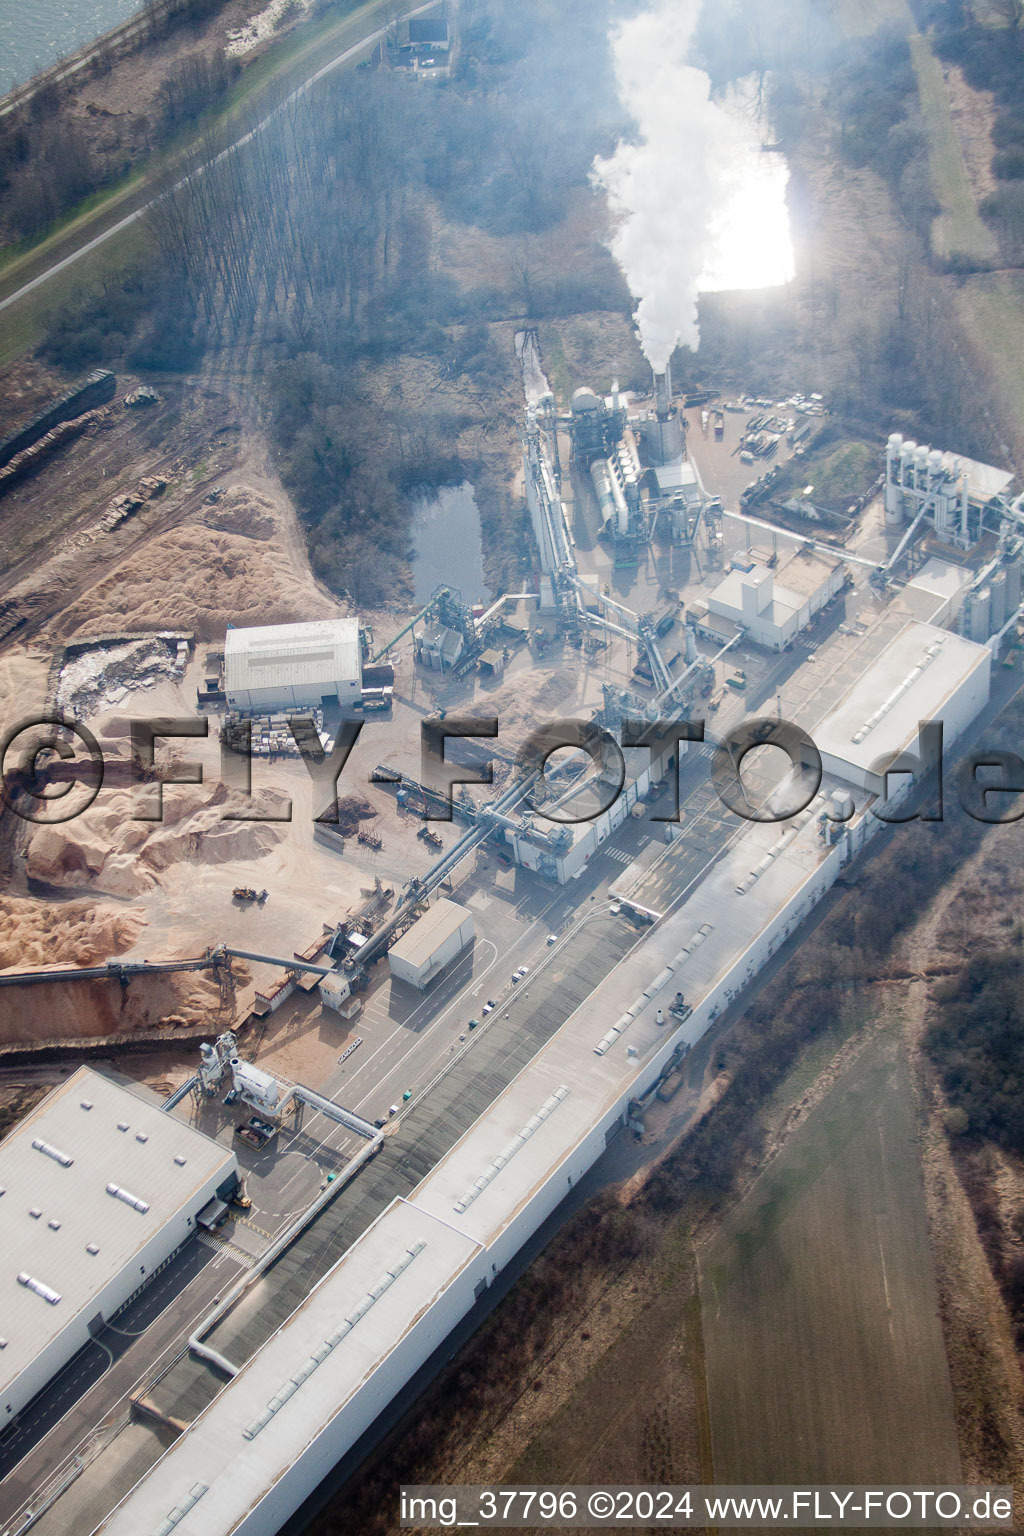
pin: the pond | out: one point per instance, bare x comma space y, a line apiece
449, 548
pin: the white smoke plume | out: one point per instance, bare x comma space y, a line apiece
693, 190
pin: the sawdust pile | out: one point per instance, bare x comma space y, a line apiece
199, 579
352, 809
105, 850
243, 511
90, 1010
38, 933
530, 700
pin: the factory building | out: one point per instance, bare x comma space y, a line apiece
924, 674
432, 943
302, 1400
774, 604
440, 648
98, 1187
935, 593
949, 492
288, 666
561, 851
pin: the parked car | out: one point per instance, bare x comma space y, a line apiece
524, 970
488, 1007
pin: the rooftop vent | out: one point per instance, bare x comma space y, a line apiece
3, 1343
45, 1291
142, 1206
493, 1169
87, 1103
178, 1513
141, 1136
320, 1354
54, 1226
122, 1125
92, 1248
35, 1212
49, 1150
180, 1160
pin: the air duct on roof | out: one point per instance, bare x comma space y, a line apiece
64, 1158
142, 1206
322, 1351
45, 1291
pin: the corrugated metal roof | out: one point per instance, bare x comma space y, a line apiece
105, 1170
428, 933
291, 655
910, 681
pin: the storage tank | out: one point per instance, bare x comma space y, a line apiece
254, 1085
601, 477
979, 609
997, 616
584, 400
691, 645
1013, 585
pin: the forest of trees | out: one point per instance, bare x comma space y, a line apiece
313, 245
977, 1043
992, 59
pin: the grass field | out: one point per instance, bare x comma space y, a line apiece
824, 1353
959, 234
639, 1414
991, 308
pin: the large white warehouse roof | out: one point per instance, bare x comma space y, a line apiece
917, 677
86, 1182
278, 656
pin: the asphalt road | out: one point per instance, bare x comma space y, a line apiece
141, 201
97, 1383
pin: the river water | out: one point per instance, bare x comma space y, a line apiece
36, 33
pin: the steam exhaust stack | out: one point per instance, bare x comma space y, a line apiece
663, 393
665, 433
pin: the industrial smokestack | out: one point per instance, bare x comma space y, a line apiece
663, 392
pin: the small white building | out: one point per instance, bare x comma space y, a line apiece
288, 666
441, 648
98, 1186
924, 674
774, 604
431, 943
